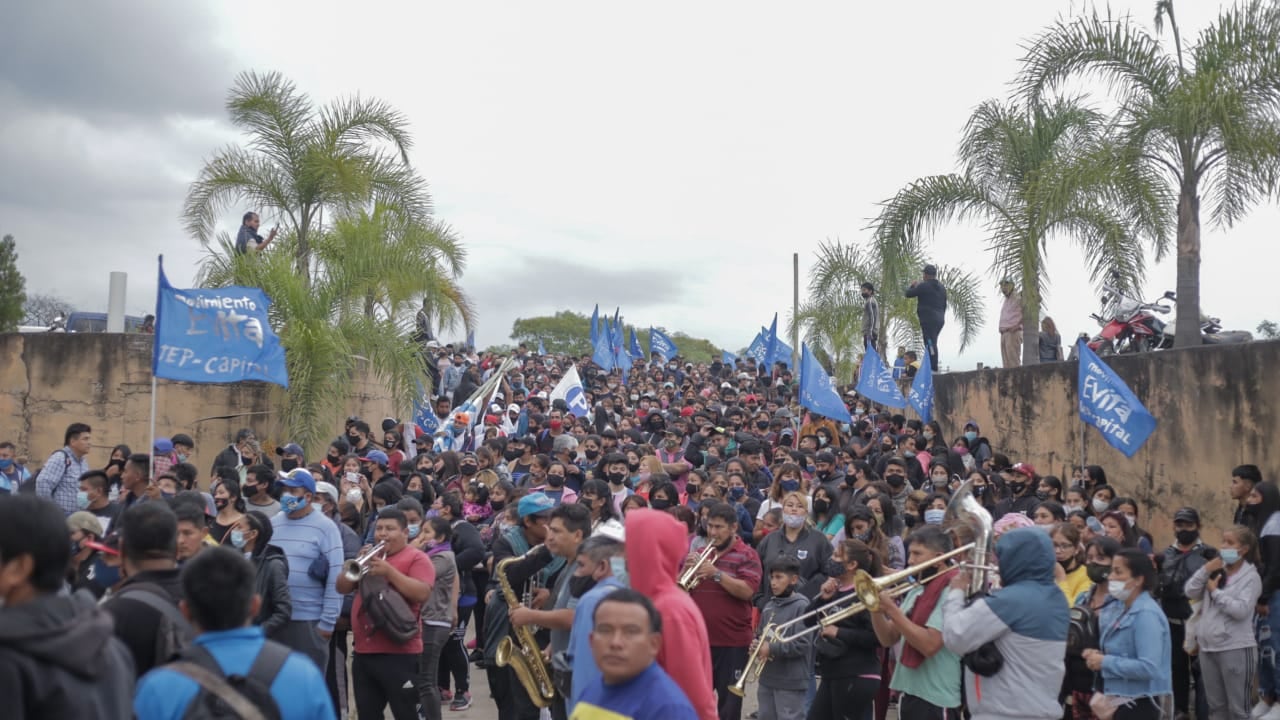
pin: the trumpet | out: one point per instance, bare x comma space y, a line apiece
355, 568
751, 671
689, 578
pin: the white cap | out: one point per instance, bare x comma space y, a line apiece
324, 488
612, 529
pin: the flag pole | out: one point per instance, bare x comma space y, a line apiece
151, 453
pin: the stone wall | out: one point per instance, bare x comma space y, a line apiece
50, 380
1216, 407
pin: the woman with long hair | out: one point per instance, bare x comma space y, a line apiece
230, 506
847, 652
1135, 654
252, 535
1116, 526
1070, 554
1050, 341
1079, 679
1262, 517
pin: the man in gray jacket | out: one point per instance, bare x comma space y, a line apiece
1026, 620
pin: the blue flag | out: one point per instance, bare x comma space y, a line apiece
595, 325
771, 342
424, 415
636, 352
728, 358
622, 360
215, 336
661, 344
921, 396
1107, 404
471, 338
759, 347
542, 349
781, 354
875, 381
602, 353
816, 392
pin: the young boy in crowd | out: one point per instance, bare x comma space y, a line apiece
786, 664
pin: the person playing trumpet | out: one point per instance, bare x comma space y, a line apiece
846, 651
726, 582
927, 674
784, 675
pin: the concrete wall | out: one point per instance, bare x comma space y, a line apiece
50, 380
1216, 407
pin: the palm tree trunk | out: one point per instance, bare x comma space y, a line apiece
302, 254
1030, 328
1188, 314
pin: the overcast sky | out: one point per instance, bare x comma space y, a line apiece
668, 157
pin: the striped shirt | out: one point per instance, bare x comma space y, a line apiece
59, 479
303, 541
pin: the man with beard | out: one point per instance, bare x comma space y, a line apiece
725, 586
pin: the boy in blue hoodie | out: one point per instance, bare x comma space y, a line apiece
785, 674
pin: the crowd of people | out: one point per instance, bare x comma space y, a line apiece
683, 543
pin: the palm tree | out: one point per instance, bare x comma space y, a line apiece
1203, 119
301, 161
1030, 176
325, 331
831, 318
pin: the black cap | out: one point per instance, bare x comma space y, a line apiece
1187, 514
826, 456
930, 270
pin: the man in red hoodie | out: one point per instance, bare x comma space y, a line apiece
653, 566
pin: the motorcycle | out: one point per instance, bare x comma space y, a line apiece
1211, 333
1130, 325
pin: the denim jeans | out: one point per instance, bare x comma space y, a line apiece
433, 640
1269, 649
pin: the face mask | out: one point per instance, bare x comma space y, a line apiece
822, 441
104, 574
1100, 506
1117, 590
250, 490
415, 494
1187, 537
895, 481
287, 465
616, 478
659, 503
75, 547
1230, 556
971, 436
978, 490
468, 468
939, 480
821, 506
6, 463
671, 443
632, 467
579, 585
793, 521
1042, 495
934, 516
860, 411
762, 424
82, 500
928, 435
555, 481
789, 485
237, 539
220, 503
167, 495
334, 459
497, 505
353, 439
414, 529
864, 537
1073, 506
592, 454
1133, 521
737, 493
618, 566
354, 496
510, 455
291, 503
1017, 488
183, 457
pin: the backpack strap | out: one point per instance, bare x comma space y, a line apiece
271, 659
216, 685
154, 597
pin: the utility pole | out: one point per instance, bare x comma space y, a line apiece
795, 313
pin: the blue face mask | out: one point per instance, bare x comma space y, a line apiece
971, 436
414, 529
82, 500
291, 503
737, 492
789, 485
934, 516
237, 539
1230, 556
6, 463
618, 566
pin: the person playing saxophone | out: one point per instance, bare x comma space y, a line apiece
530, 560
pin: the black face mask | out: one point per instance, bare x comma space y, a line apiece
555, 481
762, 424
510, 455
895, 481
1098, 574
354, 440
334, 459
1186, 537
592, 454
497, 505
616, 478
821, 506
468, 469
1017, 488
1042, 495
633, 466
287, 465
580, 585
660, 503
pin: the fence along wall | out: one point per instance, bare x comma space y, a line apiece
50, 380
1216, 408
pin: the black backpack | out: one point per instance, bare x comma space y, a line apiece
232, 697
173, 633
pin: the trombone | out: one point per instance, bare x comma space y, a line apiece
831, 613
689, 578
355, 568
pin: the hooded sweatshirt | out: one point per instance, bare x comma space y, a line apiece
1027, 619
653, 565
59, 659
790, 663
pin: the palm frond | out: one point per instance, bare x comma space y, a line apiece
273, 112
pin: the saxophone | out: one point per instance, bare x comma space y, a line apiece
523, 654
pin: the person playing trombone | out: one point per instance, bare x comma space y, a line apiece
724, 585
1026, 622
846, 651
927, 674
785, 672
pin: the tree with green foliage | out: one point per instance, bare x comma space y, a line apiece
12, 286
1202, 118
1033, 176
1269, 330
831, 317
302, 161
568, 332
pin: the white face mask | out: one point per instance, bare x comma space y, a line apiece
1133, 521
1100, 506
1117, 590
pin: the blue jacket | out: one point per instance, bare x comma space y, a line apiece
1135, 643
299, 688
585, 671
1026, 619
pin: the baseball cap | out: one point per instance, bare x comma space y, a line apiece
1024, 469
513, 408
164, 445
298, 477
379, 457
612, 529
290, 449
535, 503
324, 488
1186, 514
85, 522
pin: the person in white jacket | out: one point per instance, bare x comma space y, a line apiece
1228, 588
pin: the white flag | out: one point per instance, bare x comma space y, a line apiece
569, 389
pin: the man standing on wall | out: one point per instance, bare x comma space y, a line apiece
931, 309
870, 316
1010, 325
